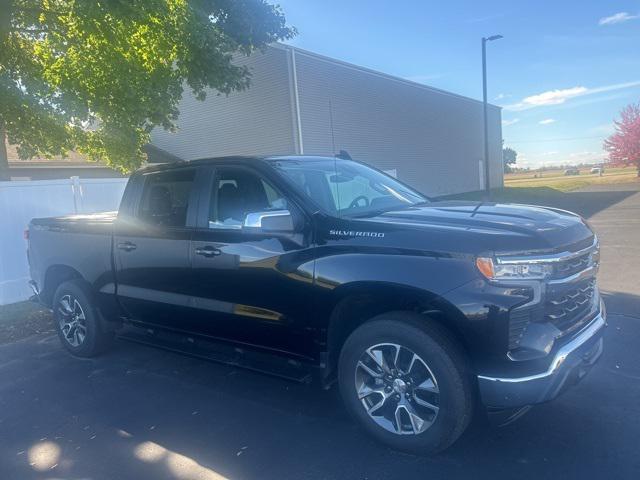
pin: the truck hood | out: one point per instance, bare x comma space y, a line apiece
484, 227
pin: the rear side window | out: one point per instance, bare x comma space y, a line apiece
165, 198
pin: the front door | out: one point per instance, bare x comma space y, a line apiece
152, 247
249, 285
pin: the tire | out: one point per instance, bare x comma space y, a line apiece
439, 377
72, 302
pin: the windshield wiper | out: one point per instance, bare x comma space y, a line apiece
378, 211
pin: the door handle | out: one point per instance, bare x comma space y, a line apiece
208, 251
127, 246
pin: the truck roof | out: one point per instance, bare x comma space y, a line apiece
234, 159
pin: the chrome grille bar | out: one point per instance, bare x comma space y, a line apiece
549, 258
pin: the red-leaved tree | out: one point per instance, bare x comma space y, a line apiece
624, 145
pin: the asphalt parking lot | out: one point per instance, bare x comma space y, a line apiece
139, 413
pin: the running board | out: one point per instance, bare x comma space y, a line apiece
205, 349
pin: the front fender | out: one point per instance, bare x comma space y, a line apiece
436, 274
417, 282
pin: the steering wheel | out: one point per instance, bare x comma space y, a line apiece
354, 203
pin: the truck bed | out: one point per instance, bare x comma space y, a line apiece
84, 220
72, 245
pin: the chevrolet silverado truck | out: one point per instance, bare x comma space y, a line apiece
419, 310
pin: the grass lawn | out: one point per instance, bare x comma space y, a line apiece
21, 320
556, 179
551, 187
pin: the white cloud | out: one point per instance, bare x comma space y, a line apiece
581, 102
586, 157
617, 18
502, 96
547, 121
559, 96
555, 158
506, 123
550, 97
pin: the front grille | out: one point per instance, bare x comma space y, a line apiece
573, 266
566, 306
566, 299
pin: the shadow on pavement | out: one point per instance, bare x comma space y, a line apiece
619, 303
585, 203
144, 413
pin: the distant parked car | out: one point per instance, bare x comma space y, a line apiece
572, 171
598, 170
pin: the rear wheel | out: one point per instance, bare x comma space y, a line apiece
77, 321
407, 382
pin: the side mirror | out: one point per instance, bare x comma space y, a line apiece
270, 221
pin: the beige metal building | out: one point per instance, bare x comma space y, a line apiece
303, 103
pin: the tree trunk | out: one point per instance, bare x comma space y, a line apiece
4, 160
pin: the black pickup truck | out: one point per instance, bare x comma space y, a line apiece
420, 310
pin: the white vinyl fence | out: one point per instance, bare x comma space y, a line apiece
20, 201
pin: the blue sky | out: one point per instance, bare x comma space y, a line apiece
562, 73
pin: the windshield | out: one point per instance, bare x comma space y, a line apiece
347, 188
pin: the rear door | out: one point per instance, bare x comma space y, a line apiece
252, 286
152, 245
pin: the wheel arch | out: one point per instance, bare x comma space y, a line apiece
54, 277
360, 302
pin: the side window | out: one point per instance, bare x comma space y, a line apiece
165, 198
237, 192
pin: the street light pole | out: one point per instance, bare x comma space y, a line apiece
487, 185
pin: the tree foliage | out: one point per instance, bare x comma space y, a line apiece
509, 157
624, 145
98, 76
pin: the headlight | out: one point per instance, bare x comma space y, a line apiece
512, 271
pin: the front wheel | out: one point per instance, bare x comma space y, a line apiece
77, 321
406, 381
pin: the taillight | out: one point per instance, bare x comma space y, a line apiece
26, 234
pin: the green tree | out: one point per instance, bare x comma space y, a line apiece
509, 156
97, 77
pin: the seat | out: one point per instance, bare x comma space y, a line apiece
230, 205
254, 198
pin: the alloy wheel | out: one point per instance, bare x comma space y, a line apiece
397, 389
72, 320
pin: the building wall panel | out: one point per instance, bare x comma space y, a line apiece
257, 121
432, 138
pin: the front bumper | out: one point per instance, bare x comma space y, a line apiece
570, 363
